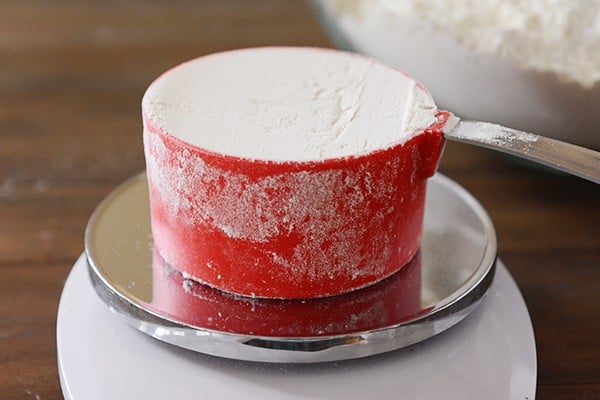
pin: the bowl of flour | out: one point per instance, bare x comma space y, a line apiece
532, 65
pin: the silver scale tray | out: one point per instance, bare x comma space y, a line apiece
445, 282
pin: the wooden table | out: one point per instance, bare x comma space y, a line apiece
72, 74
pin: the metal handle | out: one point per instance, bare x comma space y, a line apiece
566, 157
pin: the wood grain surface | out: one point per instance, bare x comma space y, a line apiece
72, 74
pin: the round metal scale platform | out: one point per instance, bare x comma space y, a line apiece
441, 286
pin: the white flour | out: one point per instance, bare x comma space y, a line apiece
483, 132
557, 36
289, 104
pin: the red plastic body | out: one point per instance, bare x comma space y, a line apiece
288, 229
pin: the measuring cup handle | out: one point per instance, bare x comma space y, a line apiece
575, 160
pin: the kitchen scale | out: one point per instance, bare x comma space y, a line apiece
384, 338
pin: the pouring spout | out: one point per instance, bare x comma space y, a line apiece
432, 142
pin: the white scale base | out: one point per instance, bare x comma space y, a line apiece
489, 355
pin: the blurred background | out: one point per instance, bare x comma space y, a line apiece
72, 74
